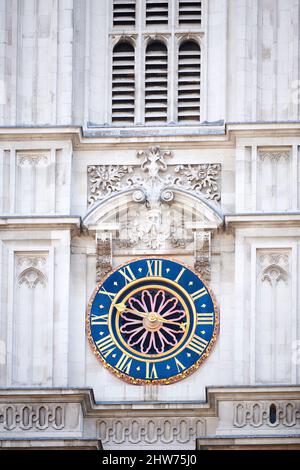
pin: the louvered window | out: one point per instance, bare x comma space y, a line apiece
123, 13
156, 12
123, 83
189, 11
189, 82
156, 82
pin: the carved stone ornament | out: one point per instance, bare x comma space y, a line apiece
203, 254
23, 417
32, 159
266, 414
154, 179
31, 270
274, 266
150, 431
155, 222
274, 156
104, 255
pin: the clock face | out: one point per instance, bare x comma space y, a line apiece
152, 320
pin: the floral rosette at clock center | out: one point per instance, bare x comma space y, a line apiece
154, 322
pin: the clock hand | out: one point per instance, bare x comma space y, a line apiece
163, 320
122, 308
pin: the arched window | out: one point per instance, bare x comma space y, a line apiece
123, 13
189, 82
123, 83
156, 82
156, 12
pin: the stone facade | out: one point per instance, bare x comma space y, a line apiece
81, 194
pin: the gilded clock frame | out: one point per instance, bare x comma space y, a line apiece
176, 378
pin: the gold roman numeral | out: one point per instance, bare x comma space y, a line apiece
99, 319
180, 274
205, 318
154, 267
198, 344
103, 291
127, 274
179, 365
199, 293
151, 371
124, 364
105, 345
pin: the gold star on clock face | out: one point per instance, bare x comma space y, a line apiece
168, 367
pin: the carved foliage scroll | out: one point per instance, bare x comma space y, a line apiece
104, 180
158, 222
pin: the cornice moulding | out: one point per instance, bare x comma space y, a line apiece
91, 409
53, 222
263, 219
205, 136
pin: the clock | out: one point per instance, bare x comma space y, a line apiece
152, 320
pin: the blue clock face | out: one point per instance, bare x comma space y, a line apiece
152, 320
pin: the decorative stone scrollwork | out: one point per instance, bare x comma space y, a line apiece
105, 180
154, 177
165, 213
266, 414
154, 160
203, 254
202, 178
23, 417
139, 196
104, 255
150, 430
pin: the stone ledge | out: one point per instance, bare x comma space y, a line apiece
219, 134
53, 222
72, 414
50, 444
249, 443
263, 219
91, 408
